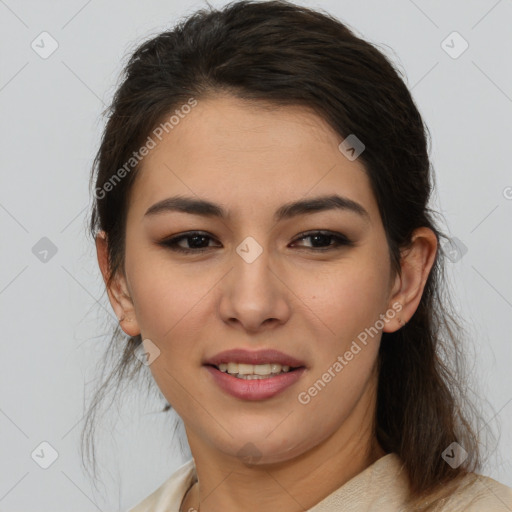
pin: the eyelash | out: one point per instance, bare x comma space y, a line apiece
172, 243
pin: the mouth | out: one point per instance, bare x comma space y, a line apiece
251, 386
254, 371
254, 375
258, 358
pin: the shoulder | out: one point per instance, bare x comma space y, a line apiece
169, 495
472, 493
479, 493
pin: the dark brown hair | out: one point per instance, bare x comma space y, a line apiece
279, 53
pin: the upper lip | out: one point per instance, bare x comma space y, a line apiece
240, 355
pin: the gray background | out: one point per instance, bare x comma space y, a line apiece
55, 317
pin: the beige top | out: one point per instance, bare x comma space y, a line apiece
381, 487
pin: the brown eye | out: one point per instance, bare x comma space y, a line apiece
324, 238
197, 241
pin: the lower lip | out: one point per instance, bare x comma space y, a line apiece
255, 389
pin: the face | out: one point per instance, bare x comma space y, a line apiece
255, 281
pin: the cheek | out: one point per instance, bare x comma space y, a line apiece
166, 296
348, 297
167, 304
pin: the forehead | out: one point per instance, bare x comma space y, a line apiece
249, 156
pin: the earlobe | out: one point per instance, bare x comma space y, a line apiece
117, 290
416, 264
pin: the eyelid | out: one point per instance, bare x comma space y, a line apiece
327, 232
172, 241
340, 238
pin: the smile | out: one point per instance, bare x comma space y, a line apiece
249, 385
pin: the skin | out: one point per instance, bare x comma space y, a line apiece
308, 304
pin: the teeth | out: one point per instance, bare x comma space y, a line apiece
253, 371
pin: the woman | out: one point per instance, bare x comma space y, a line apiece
262, 228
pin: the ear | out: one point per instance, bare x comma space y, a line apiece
118, 292
416, 263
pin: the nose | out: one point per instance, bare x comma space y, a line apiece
254, 295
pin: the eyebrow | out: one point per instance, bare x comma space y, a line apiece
303, 206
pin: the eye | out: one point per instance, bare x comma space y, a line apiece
197, 246
324, 238
198, 241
